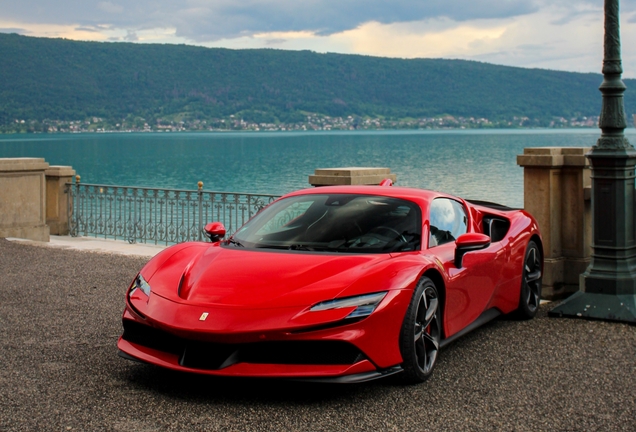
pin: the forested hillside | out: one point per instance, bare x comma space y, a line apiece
68, 80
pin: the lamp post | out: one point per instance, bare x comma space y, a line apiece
608, 286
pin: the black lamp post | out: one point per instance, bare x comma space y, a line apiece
608, 286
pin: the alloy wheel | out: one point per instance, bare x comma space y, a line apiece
532, 279
427, 330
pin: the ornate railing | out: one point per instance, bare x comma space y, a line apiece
159, 216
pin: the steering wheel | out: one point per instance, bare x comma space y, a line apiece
399, 236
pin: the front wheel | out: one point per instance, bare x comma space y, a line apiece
421, 333
531, 278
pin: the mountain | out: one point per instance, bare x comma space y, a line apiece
69, 80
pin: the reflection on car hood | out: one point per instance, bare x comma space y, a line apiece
226, 276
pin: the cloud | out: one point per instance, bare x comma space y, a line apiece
14, 30
209, 20
131, 36
275, 41
202, 21
110, 7
430, 38
88, 29
205, 21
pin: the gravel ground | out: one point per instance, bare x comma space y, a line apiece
60, 318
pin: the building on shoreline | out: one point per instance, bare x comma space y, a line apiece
312, 122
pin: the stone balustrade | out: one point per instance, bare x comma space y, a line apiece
58, 207
557, 184
23, 198
350, 176
33, 202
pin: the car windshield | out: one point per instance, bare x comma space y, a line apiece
335, 223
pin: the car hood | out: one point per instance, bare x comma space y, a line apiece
248, 278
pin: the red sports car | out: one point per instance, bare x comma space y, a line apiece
341, 284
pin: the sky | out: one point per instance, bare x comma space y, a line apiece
548, 34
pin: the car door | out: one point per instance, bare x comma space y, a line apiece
470, 288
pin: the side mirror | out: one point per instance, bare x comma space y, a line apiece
215, 231
467, 243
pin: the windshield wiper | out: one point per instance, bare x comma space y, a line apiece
235, 242
295, 247
300, 247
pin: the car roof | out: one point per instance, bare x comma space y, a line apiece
411, 194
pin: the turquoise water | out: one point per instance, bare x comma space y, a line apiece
471, 164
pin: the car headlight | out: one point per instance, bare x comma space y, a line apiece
365, 304
140, 284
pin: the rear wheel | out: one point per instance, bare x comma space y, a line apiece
421, 333
531, 278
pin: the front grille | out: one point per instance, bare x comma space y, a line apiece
211, 355
152, 338
301, 352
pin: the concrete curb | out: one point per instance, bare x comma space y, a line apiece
97, 245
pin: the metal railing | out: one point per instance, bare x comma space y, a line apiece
159, 216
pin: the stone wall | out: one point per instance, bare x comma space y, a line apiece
57, 200
22, 198
350, 176
33, 202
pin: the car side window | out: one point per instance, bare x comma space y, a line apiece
448, 221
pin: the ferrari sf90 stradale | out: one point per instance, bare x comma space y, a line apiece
338, 283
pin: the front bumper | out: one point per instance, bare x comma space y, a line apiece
335, 351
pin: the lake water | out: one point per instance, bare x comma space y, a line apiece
473, 164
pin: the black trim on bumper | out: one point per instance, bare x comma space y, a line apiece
122, 354
202, 355
356, 378
346, 379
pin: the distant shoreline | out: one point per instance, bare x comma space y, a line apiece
485, 131
311, 122
296, 129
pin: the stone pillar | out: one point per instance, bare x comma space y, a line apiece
350, 176
556, 183
23, 198
57, 199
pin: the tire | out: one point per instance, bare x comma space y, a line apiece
421, 333
531, 277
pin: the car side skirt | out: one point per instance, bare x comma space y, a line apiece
482, 319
